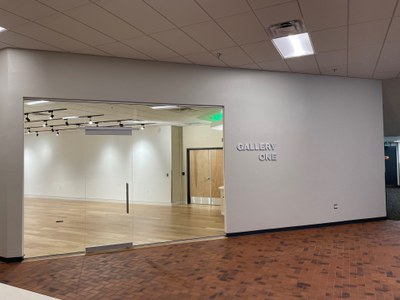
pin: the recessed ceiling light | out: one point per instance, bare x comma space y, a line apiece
2, 29
291, 39
165, 107
294, 45
36, 102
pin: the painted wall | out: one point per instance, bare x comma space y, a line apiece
328, 132
75, 166
391, 106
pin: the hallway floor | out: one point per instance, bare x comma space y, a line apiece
354, 261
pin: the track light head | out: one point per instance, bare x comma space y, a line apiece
66, 123
27, 118
120, 124
37, 133
57, 133
142, 127
52, 129
90, 120
45, 124
51, 117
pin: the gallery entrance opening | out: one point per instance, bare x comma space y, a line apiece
102, 176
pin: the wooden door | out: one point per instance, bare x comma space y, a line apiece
206, 175
199, 173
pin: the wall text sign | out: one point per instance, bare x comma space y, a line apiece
268, 150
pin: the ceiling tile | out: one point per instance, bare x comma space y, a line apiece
137, 13
9, 20
397, 12
243, 28
361, 70
56, 39
278, 14
364, 54
274, 65
120, 50
324, 14
20, 41
389, 55
188, 12
249, 66
178, 41
151, 48
101, 20
29, 9
256, 4
334, 70
2, 45
234, 56
332, 58
369, 10
178, 59
369, 33
74, 29
329, 39
306, 64
223, 8
206, 59
62, 5
91, 51
394, 30
261, 51
209, 35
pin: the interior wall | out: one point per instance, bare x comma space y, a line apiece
328, 132
201, 136
391, 106
97, 167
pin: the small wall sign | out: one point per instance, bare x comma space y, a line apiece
268, 150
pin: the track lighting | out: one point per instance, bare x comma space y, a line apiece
45, 124
57, 133
37, 133
142, 127
97, 124
90, 121
51, 117
52, 129
66, 123
120, 124
27, 118
29, 131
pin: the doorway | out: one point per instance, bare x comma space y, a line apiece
206, 176
101, 176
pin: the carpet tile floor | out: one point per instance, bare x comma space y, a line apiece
353, 261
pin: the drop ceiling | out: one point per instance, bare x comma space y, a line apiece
75, 115
354, 38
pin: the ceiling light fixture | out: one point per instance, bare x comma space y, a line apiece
291, 39
2, 29
165, 107
36, 102
66, 123
51, 117
37, 133
70, 117
57, 133
120, 124
90, 121
142, 127
45, 124
27, 118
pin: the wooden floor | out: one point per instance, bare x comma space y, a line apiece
353, 261
54, 226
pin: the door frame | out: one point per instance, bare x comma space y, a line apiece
188, 167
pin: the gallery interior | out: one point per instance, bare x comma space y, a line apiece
114, 175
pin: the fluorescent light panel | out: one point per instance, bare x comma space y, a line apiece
36, 102
71, 117
296, 45
165, 107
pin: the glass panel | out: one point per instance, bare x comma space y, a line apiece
54, 191
108, 177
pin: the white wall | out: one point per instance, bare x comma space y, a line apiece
75, 166
328, 131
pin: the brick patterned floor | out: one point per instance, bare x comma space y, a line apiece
356, 261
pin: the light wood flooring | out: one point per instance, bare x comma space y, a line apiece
54, 226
